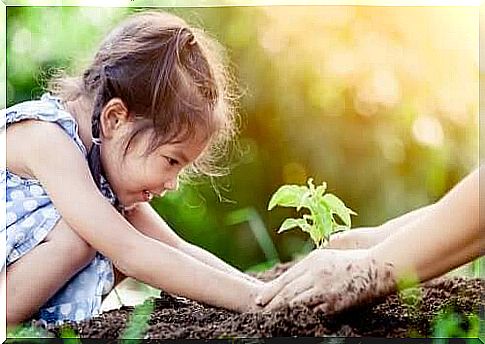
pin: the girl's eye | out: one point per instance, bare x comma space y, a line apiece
171, 162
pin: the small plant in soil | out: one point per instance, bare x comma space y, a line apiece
138, 322
320, 222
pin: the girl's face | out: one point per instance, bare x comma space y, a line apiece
137, 177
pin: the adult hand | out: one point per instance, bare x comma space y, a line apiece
358, 238
329, 281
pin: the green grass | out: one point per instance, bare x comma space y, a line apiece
19, 333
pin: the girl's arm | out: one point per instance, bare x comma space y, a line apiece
65, 175
144, 218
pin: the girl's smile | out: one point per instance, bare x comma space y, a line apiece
147, 196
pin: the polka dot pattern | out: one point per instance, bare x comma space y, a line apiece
50, 213
36, 190
28, 222
2, 192
30, 204
11, 217
12, 183
31, 215
40, 234
20, 236
17, 194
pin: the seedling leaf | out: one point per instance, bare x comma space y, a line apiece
311, 185
292, 223
338, 207
323, 219
340, 228
321, 189
320, 223
287, 196
315, 235
304, 200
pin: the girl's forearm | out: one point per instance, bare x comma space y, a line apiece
175, 272
213, 261
147, 221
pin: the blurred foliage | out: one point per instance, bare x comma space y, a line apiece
449, 324
380, 102
138, 322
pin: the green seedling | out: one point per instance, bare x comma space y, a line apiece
321, 222
138, 322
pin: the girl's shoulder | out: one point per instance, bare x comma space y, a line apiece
47, 109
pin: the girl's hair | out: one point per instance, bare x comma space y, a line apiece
170, 76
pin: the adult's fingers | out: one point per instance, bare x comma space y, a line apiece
322, 307
298, 286
274, 287
333, 302
338, 241
303, 298
269, 291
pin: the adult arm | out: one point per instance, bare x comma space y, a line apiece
366, 237
444, 238
331, 280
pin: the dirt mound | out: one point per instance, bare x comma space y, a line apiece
410, 313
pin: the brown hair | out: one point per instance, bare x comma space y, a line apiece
169, 75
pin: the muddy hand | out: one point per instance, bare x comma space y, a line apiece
278, 292
329, 281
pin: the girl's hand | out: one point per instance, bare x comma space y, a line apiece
329, 281
252, 305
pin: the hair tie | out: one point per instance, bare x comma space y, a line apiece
105, 70
192, 40
96, 141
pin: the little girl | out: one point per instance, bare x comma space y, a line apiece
84, 161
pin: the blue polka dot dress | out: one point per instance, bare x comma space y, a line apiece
30, 216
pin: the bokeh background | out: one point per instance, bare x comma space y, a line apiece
379, 102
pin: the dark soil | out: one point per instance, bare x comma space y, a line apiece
409, 314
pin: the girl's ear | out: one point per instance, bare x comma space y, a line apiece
113, 116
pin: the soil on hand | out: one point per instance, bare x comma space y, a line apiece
399, 315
